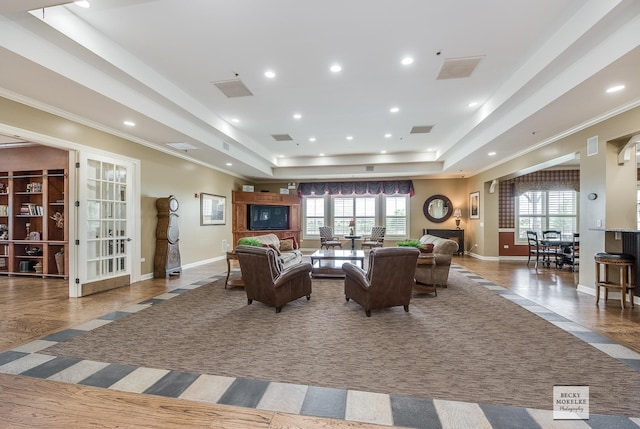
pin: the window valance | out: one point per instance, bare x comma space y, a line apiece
387, 187
549, 180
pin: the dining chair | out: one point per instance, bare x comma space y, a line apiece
571, 254
539, 250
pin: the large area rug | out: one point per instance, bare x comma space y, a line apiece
466, 344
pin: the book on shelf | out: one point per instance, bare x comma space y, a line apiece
34, 187
30, 209
4, 210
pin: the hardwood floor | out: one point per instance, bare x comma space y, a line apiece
31, 308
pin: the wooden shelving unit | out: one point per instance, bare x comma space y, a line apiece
241, 200
33, 235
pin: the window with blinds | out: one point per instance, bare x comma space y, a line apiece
395, 213
546, 210
313, 215
366, 211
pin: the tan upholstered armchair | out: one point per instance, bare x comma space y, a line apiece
327, 239
376, 239
388, 282
266, 281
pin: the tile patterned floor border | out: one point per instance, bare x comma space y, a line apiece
31, 360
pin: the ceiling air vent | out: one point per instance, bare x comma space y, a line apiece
456, 68
282, 137
421, 129
182, 146
368, 168
233, 88
225, 146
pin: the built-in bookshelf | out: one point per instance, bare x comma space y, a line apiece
33, 207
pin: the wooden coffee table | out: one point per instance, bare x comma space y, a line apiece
328, 263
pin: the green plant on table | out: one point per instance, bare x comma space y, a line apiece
411, 243
248, 241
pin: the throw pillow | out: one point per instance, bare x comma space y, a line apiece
295, 242
428, 248
286, 244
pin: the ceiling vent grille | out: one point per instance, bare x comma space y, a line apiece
182, 146
456, 68
233, 88
368, 168
225, 146
421, 129
282, 137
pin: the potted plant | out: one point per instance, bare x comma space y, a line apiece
248, 241
423, 248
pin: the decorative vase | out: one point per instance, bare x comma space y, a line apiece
60, 262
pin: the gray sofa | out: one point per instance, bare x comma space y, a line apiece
443, 250
287, 257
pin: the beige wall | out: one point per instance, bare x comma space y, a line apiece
484, 231
161, 175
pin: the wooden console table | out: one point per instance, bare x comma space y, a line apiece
456, 235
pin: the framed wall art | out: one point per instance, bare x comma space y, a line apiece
213, 209
474, 205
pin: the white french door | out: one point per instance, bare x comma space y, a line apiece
105, 213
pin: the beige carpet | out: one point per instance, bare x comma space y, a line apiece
466, 344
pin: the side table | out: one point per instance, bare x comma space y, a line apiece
231, 256
353, 239
426, 261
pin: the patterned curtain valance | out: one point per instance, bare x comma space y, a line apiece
387, 187
547, 181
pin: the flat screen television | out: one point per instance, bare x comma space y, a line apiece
267, 217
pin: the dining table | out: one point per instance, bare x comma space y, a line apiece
560, 246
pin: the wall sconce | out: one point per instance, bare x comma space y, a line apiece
457, 213
352, 224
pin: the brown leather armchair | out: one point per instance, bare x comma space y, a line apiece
266, 281
388, 282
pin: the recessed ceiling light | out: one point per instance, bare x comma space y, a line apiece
129, 123
84, 3
235, 120
472, 104
228, 164
322, 154
270, 74
394, 110
297, 116
387, 135
336, 68
491, 153
349, 137
383, 151
406, 61
615, 89
312, 139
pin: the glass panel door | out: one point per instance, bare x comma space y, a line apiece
104, 219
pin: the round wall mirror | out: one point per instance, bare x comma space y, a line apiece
437, 208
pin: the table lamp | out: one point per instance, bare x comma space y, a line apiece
457, 213
352, 224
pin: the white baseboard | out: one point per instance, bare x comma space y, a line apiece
482, 257
149, 276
